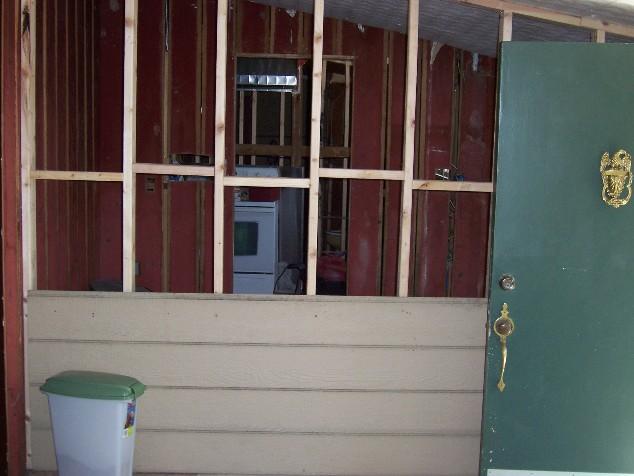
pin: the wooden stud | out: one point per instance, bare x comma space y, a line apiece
166, 201
241, 125
67, 146
588, 22
327, 186
598, 36
28, 145
129, 143
274, 182
84, 121
408, 148
505, 34
254, 121
505, 31
282, 137
384, 244
28, 61
451, 186
346, 143
201, 100
76, 176
219, 144
362, 174
44, 12
346, 113
296, 137
315, 118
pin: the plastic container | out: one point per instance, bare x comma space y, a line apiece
93, 415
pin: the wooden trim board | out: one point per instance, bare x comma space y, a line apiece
129, 143
409, 131
590, 23
315, 126
219, 144
77, 175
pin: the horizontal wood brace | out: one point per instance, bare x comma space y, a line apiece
165, 169
451, 186
282, 182
362, 174
76, 175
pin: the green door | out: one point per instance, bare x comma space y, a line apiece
568, 405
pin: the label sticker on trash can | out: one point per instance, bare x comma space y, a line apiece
128, 429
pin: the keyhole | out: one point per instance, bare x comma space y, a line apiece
504, 327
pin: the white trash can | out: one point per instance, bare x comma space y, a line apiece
93, 415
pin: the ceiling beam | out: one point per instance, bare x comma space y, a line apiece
553, 16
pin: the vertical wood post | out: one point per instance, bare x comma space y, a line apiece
409, 126
27, 144
505, 31
598, 36
315, 138
28, 57
129, 143
254, 121
219, 145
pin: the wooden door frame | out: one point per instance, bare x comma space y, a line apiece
15, 461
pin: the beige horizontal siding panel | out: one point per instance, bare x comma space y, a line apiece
345, 368
205, 453
368, 321
293, 411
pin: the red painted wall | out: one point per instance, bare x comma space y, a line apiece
477, 113
65, 139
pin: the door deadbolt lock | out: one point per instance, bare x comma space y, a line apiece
507, 282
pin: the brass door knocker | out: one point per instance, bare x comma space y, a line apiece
616, 173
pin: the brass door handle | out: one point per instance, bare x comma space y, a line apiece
503, 327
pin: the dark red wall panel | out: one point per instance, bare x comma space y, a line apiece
430, 276
151, 47
211, 8
364, 232
477, 115
109, 105
285, 34
65, 252
394, 161
183, 44
254, 27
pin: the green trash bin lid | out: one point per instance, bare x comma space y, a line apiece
94, 385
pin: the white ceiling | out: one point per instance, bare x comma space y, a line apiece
468, 27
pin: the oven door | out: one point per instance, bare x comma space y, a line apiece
255, 239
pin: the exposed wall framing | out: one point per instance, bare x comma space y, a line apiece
406, 177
